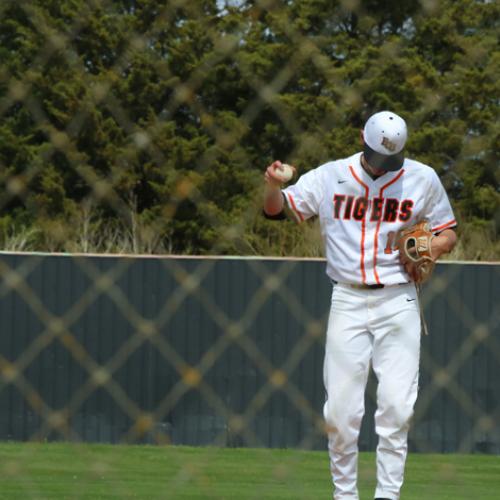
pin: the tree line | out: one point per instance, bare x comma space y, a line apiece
145, 125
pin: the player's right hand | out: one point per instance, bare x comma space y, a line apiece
272, 174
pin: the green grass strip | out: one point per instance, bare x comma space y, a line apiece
59, 471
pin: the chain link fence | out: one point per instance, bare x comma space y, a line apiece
143, 127
221, 352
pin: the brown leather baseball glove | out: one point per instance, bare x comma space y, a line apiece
415, 251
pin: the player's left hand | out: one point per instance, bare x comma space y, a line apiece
415, 251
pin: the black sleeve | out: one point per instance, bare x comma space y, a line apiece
279, 216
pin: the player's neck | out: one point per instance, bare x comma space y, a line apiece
373, 173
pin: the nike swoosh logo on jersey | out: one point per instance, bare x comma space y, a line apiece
341, 182
410, 300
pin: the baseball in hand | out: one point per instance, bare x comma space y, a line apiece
283, 173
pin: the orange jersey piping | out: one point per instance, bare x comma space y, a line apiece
444, 226
294, 208
363, 226
375, 247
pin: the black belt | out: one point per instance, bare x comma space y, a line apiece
363, 286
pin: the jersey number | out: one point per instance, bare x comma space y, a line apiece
391, 237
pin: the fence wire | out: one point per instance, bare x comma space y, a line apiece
141, 127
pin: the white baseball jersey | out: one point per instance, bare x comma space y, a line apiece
360, 216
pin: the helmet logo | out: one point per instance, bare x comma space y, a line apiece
388, 144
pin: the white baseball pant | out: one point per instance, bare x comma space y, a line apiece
381, 326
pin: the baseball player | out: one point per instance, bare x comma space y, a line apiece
362, 203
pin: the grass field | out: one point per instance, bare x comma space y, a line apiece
70, 471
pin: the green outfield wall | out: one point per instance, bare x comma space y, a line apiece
223, 351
